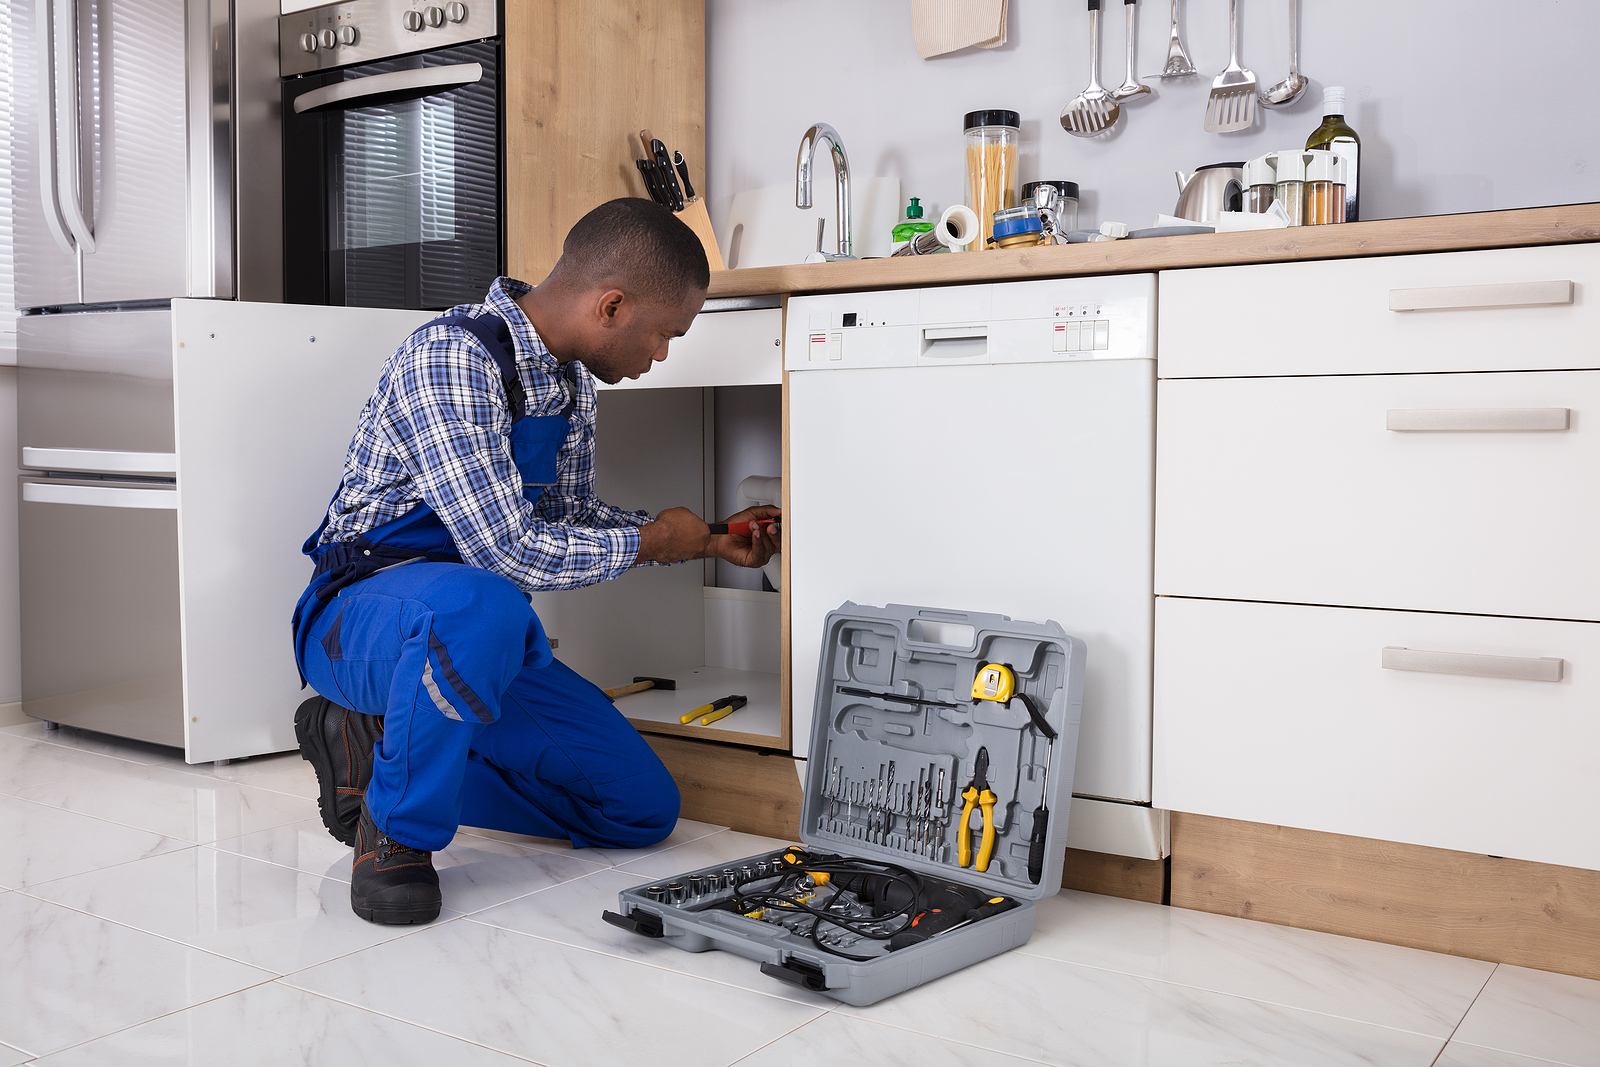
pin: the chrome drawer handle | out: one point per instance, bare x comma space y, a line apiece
1516, 668
1479, 420
1463, 297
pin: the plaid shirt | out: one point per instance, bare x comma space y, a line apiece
435, 432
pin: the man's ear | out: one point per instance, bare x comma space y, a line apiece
609, 306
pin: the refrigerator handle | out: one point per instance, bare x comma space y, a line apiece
72, 203
49, 192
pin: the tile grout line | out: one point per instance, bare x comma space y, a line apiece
1492, 972
407, 1022
220, 955
183, 846
284, 981
1507, 1051
1022, 950
152, 1019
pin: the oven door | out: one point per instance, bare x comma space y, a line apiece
392, 183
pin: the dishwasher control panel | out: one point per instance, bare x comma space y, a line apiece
1048, 321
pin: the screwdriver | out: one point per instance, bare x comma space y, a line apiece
1041, 821
740, 529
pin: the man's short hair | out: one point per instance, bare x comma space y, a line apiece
638, 245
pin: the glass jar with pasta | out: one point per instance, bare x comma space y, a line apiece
991, 136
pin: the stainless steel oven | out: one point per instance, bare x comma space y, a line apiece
392, 120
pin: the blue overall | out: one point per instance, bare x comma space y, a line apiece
482, 725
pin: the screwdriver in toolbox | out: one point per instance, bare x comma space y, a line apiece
1041, 821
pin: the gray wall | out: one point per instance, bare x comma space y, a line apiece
1462, 105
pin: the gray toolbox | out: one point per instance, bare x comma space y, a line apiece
880, 895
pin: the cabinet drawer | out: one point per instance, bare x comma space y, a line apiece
1510, 309
1287, 715
1435, 492
721, 348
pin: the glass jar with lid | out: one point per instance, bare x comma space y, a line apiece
992, 137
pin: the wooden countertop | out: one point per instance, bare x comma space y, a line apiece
1386, 237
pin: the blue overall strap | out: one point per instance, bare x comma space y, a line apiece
493, 333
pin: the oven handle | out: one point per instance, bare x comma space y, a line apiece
394, 85
100, 496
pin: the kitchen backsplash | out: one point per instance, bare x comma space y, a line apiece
1461, 104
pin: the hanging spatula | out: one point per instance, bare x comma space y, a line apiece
1233, 103
1092, 111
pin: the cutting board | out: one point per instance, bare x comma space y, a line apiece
942, 26
765, 229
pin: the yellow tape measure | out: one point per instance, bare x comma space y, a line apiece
996, 682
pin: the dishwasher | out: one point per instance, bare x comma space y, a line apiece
989, 448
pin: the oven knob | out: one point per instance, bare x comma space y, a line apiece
436, 16
412, 20
308, 42
456, 11
329, 39
348, 35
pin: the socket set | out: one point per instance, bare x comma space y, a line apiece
938, 787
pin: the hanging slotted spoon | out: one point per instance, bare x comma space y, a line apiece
1232, 104
1092, 111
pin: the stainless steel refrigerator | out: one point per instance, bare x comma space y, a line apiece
147, 168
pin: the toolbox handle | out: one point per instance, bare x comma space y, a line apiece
644, 923
799, 972
943, 630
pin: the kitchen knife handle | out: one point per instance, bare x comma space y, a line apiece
683, 175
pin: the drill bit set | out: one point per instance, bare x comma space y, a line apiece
934, 735
907, 816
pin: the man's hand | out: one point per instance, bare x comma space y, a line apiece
755, 550
676, 535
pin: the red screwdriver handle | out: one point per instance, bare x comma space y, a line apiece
740, 529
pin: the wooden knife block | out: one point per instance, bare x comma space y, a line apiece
695, 217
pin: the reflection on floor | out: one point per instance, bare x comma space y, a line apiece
155, 913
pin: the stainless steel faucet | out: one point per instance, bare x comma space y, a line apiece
841, 173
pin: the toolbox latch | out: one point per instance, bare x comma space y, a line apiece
801, 973
644, 923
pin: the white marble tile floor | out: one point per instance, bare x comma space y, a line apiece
155, 913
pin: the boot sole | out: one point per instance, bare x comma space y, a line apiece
314, 752
395, 915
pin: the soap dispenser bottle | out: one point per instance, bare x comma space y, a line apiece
911, 225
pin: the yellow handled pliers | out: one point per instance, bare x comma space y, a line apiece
977, 794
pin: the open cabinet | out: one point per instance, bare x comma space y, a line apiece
703, 430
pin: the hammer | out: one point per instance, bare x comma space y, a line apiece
640, 684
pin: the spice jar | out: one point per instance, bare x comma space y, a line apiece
1290, 191
992, 136
1017, 227
1260, 184
1325, 190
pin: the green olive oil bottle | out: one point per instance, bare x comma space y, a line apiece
1335, 135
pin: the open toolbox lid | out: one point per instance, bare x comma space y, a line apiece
897, 684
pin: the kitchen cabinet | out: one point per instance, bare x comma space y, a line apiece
1374, 591
1353, 721
687, 435
1498, 310
581, 80
1387, 490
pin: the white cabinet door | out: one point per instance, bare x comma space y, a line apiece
1288, 715
1509, 309
1434, 492
721, 348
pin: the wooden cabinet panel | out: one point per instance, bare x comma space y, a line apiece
582, 78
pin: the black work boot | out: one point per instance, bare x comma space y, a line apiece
338, 743
391, 883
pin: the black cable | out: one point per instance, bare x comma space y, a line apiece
839, 869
